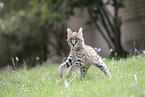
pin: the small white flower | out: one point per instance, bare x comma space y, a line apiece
98, 49
144, 51
112, 58
111, 50
103, 59
135, 50
17, 58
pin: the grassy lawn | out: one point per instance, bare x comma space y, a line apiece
128, 80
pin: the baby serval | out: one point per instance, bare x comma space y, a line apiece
81, 56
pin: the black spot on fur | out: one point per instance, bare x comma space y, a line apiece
67, 64
70, 61
79, 60
100, 66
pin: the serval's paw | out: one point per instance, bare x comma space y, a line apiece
60, 71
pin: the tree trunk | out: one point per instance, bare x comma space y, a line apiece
119, 52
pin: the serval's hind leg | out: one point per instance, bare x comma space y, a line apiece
83, 71
102, 66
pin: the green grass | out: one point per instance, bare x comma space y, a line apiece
128, 80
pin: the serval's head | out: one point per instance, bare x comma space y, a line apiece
75, 39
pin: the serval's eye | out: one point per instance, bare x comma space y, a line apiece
76, 42
71, 42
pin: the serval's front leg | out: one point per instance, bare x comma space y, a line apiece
71, 70
64, 65
76, 65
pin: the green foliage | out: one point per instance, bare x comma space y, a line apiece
128, 79
28, 27
23, 35
1, 7
54, 10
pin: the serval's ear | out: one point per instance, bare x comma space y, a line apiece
80, 33
69, 32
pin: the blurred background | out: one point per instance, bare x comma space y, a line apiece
34, 31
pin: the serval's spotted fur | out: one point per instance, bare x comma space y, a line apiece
81, 56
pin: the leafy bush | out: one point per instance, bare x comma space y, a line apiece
29, 32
